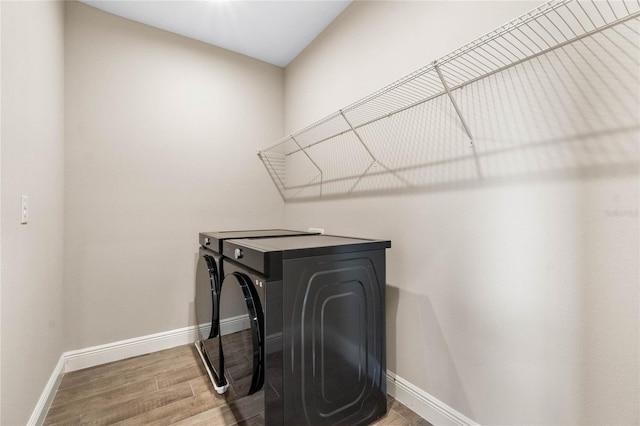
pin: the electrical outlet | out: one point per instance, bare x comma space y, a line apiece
25, 209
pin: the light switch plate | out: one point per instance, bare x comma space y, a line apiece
25, 210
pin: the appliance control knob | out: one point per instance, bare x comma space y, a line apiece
238, 253
207, 241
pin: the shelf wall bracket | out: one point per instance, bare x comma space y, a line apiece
310, 159
460, 116
453, 101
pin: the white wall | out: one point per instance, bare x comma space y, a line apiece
0, 212
32, 164
514, 301
161, 134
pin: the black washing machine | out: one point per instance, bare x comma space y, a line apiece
313, 335
209, 274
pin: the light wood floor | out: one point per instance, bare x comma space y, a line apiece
165, 388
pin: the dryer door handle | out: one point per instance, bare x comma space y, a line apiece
215, 295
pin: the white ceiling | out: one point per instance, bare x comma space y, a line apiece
272, 31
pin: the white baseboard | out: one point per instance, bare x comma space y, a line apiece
42, 407
228, 325
425, 405
102, 354
234, 324
116, 351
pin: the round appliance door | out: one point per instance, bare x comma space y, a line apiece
207, 296
241, 336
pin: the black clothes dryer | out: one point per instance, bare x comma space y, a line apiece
209, 274
313, 335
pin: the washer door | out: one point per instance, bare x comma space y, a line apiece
207, 296
242, 337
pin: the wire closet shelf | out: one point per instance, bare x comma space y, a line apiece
566, 71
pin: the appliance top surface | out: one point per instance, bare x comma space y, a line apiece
258, 233
306, 242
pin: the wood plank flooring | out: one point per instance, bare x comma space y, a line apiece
169, 387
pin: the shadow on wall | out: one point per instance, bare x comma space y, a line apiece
391, 307
439, 370
572, 112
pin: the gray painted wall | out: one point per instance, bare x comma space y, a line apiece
33, 165
514, 301
160, 137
